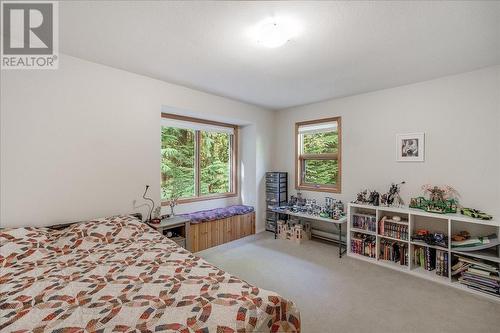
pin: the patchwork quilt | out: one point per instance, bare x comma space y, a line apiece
118, 275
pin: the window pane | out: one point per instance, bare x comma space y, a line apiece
321, 172
320, 143
215, 163
177, 163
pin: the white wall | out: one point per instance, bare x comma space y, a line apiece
82, 141
459, 114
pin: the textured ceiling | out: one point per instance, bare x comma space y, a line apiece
345, 48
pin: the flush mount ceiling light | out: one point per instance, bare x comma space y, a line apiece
274, 31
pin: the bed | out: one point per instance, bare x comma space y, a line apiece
118, 275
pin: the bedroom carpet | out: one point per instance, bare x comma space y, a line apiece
348, 295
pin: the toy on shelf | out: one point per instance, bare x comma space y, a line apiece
425, 236
374, 198
392, 198
441, 200
294, 232
464, 242
461, 236
475, 213
364, 199
361, 197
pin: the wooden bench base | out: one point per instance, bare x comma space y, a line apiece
207, 234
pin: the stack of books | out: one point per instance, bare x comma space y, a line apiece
424, 257
478, 275
393, 229
363, 244
394, 251
365, 222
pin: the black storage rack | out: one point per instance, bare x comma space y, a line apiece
276, 195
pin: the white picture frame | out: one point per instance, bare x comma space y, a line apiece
410, 147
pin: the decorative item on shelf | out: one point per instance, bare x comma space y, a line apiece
464, 242
461, 236
392, 198
361, 198
374, 198
441, 200
438, 239
475, 213
294, 232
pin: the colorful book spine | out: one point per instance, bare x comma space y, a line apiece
363, 244
394, 251
393, 229
364, 222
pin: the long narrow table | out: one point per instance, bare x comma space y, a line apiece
338, 222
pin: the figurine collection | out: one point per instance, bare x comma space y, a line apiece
391, 198
435, 199
332, 208
442, 199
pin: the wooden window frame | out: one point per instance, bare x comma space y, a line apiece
301, 158
234, 160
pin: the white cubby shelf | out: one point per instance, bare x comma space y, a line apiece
448, 224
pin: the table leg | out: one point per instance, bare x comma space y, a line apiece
340, 240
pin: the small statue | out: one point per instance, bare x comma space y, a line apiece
374, 198
383, 199
361, 197
393, 198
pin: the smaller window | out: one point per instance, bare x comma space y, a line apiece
318, 155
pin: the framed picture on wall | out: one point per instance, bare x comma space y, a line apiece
410, 147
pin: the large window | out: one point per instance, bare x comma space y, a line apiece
318, 155
198, 159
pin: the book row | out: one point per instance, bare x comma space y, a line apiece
394, 230
394, 251
363, 244
424, 257
365, 222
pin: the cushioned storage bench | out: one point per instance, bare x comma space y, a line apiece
218, 226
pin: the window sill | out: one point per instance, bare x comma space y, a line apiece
203, 198
318, 188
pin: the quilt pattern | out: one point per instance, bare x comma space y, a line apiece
118, 275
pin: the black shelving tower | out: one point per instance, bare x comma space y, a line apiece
276, 195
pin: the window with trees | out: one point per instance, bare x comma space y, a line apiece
198, 159
318, 155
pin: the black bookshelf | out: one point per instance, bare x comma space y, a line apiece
276, 195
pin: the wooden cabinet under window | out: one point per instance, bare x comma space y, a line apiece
208, 234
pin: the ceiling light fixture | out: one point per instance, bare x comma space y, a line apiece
274, 31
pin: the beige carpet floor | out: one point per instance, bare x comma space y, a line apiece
349, 295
